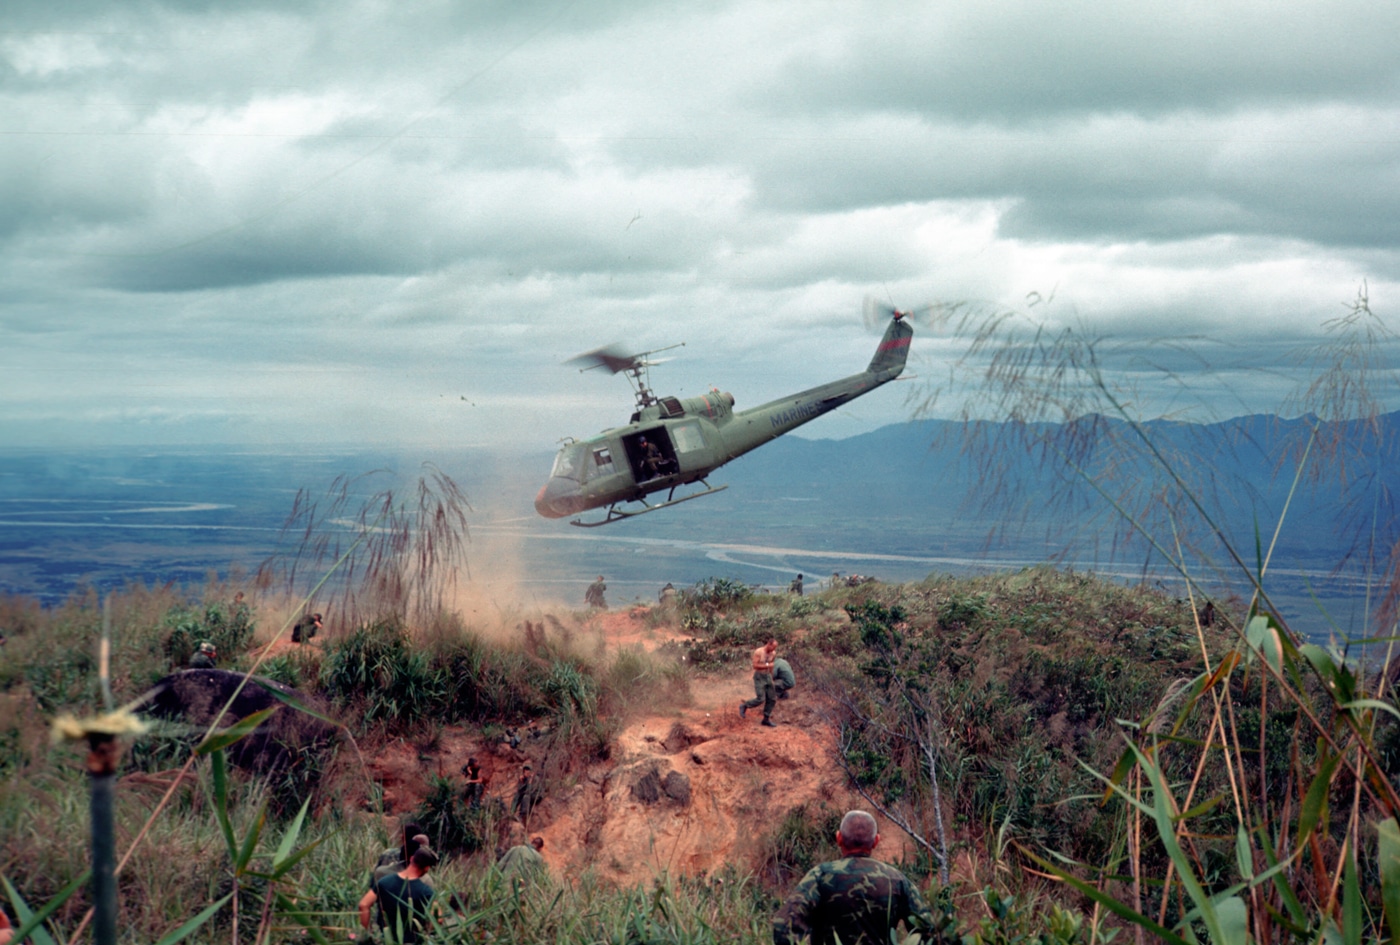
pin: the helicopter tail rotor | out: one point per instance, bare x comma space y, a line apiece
877, 314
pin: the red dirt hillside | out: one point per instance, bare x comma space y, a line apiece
686, 790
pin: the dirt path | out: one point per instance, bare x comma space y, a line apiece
686, 790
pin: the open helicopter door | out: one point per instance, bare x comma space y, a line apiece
651, 454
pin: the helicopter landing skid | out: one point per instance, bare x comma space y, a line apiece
616, 514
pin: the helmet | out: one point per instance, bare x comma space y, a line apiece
207, 647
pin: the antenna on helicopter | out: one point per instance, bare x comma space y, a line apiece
635, 366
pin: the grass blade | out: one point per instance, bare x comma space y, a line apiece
225, 737
1389, 855
289, 908
1315, 801
289, 839
219, 770
1120, 909
1166, 832
32, 923
1244, 854
193, 924
250, 842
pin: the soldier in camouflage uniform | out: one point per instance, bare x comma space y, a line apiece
856, 898
205, 656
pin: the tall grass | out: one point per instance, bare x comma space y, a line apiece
1257, 797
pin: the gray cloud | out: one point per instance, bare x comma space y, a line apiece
262, 220
1024, 62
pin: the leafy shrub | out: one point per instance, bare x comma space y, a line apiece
572, 689
229, 628
716, 594
960, 612
451, 826
485, 683
1013, 921
376, 668
877, 624
281, 668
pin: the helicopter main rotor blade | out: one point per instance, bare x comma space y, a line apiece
612, 357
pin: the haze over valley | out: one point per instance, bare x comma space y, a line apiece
899, 503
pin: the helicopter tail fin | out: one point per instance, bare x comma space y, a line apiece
894, 349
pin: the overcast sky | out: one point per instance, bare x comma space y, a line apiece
389, 223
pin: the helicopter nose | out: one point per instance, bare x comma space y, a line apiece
558, 497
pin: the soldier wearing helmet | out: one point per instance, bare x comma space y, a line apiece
205, 656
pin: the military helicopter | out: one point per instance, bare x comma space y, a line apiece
671, 442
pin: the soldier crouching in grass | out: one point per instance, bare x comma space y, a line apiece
206, 656
306, 628
856, 899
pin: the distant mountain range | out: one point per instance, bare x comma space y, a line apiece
925, 491
939, 475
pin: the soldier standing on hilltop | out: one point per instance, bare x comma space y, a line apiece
594, 595
796, 586
763, 692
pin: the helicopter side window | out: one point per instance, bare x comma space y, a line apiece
603, 461
569, 462
687, 437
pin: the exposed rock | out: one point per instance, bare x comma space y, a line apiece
677, 787
647, 788
680, 738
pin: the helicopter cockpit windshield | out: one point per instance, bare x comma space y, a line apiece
569, 463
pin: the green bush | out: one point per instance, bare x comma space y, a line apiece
716, 594
375, 668
228, 627
454, 828
960, 612
282, 668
